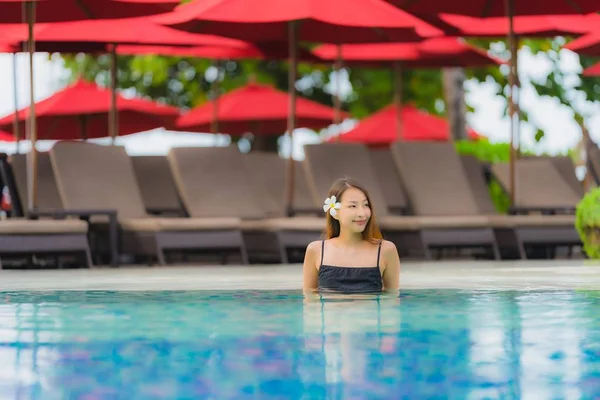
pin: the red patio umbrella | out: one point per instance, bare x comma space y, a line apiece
588, 45
256, 108
99, 34
594, 70
331, 21
76, 10
431, 53
497, 8
102, 35
80, 111
378, 129
247, 51
6, 137
16, 11
429, 9
523, 25
218, 52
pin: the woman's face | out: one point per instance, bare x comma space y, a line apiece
355, 210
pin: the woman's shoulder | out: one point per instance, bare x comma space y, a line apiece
387, 246
314, 247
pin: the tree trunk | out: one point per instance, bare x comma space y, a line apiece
454, 79
265, 143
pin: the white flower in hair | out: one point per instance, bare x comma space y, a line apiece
332, 206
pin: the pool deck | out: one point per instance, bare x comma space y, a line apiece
481, 275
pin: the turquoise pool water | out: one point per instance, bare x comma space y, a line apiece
273, 345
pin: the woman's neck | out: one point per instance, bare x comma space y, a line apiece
350, 238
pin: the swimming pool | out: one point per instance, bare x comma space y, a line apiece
442, 344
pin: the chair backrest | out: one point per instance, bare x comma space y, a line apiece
389, 180
476, 177
326, 162
434, 178
269, 174
156, 184
48, 196
92, 176
215, 182
539, 184
566, 168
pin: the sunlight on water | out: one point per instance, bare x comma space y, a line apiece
274, 345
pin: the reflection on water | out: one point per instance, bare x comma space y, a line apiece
279, 345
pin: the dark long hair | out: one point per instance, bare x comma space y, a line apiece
332, 229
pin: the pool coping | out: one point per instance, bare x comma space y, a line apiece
472, 275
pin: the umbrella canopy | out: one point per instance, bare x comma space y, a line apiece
245, 51
588, 45
7, 48
594, 70
95, 35
525, 25
257, 108
431, 53
11, 11
331, 21
379, 129
6, 137
80, 111
497, 8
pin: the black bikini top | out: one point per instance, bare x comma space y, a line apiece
349, 279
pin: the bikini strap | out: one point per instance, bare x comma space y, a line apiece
378, 253
322, 251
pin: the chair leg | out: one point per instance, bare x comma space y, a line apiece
244, 253
88, 257
160, 255
496, 251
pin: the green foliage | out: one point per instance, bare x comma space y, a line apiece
489, 153
553, 85
587, 223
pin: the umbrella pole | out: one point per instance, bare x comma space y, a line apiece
289, 192
83, 126
511, 104
398, 99
113, 117
16, 131
32, 159
337, 101
517, 99
216, 92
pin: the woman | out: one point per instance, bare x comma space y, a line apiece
353, 257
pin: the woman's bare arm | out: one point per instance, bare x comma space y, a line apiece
309, 269
391, 273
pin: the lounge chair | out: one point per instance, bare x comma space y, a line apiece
438, 190
328, 161
566, 168
519, 231
20, 237
389, 180
47, 192
593, 163
271, 168
540, 187
157, 186
218, 181
100, 181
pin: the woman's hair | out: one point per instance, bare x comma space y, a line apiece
371, 232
